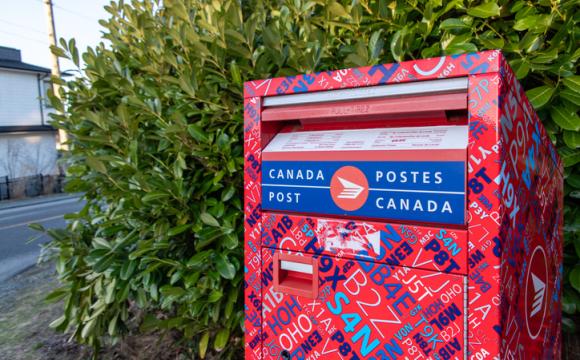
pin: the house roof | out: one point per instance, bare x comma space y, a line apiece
18, 65
11, 59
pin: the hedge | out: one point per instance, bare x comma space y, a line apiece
155, 125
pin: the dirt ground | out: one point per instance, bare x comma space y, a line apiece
25, 335
24, 319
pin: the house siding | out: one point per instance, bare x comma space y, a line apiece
19, 99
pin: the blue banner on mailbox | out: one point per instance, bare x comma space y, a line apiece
425, 191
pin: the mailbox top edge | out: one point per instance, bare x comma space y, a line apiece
448, 66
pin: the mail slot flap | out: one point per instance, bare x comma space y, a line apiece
410, 174
432, 248
368, 107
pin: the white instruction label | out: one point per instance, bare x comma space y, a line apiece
408, 138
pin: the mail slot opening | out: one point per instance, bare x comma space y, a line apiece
297, 275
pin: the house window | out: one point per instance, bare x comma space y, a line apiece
46, 84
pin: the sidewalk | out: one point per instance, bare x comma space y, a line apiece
16, 203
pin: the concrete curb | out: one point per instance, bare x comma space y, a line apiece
13, 204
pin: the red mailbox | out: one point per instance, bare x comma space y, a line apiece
401, 211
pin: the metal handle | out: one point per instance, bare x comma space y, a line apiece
434, 104
296, 275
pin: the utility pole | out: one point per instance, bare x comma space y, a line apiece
55, 70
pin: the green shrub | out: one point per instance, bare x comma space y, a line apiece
156, 139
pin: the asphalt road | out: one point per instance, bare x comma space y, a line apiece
17, 253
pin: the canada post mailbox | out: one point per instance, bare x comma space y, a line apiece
402, 211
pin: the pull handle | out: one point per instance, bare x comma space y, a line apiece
296, 275
369, 108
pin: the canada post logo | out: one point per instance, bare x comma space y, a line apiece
349, 188
536, 292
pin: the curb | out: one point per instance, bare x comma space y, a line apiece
14, 204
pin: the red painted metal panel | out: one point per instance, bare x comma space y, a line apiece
365, 310
252, 238
531, 233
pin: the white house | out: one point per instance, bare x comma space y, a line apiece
27, 141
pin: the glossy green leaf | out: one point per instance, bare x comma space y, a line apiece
397, 45
56, 295
197, 133
178, 229
575, 278
208, 219
524, 23
484, 10
520, 67
127, 269
231, 241
221, 339
540, 96
571, 96
572, 139
154, 195
565, 117
376, 44
58, 322
36, 227
454, 24
96, 164
203, 343
100, 243
214, 296
572, 83
574, 180
336, 9
112, 328
198, 259
225, 267
569, 157
228, 193
543, 57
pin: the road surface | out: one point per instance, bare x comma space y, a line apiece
16, 252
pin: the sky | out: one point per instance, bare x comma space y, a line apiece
23, 25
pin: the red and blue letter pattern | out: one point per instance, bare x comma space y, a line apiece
490, 289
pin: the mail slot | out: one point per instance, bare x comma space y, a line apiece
401, 211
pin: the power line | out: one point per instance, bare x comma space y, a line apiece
70, 11
74, 12
23, 37
23, 27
